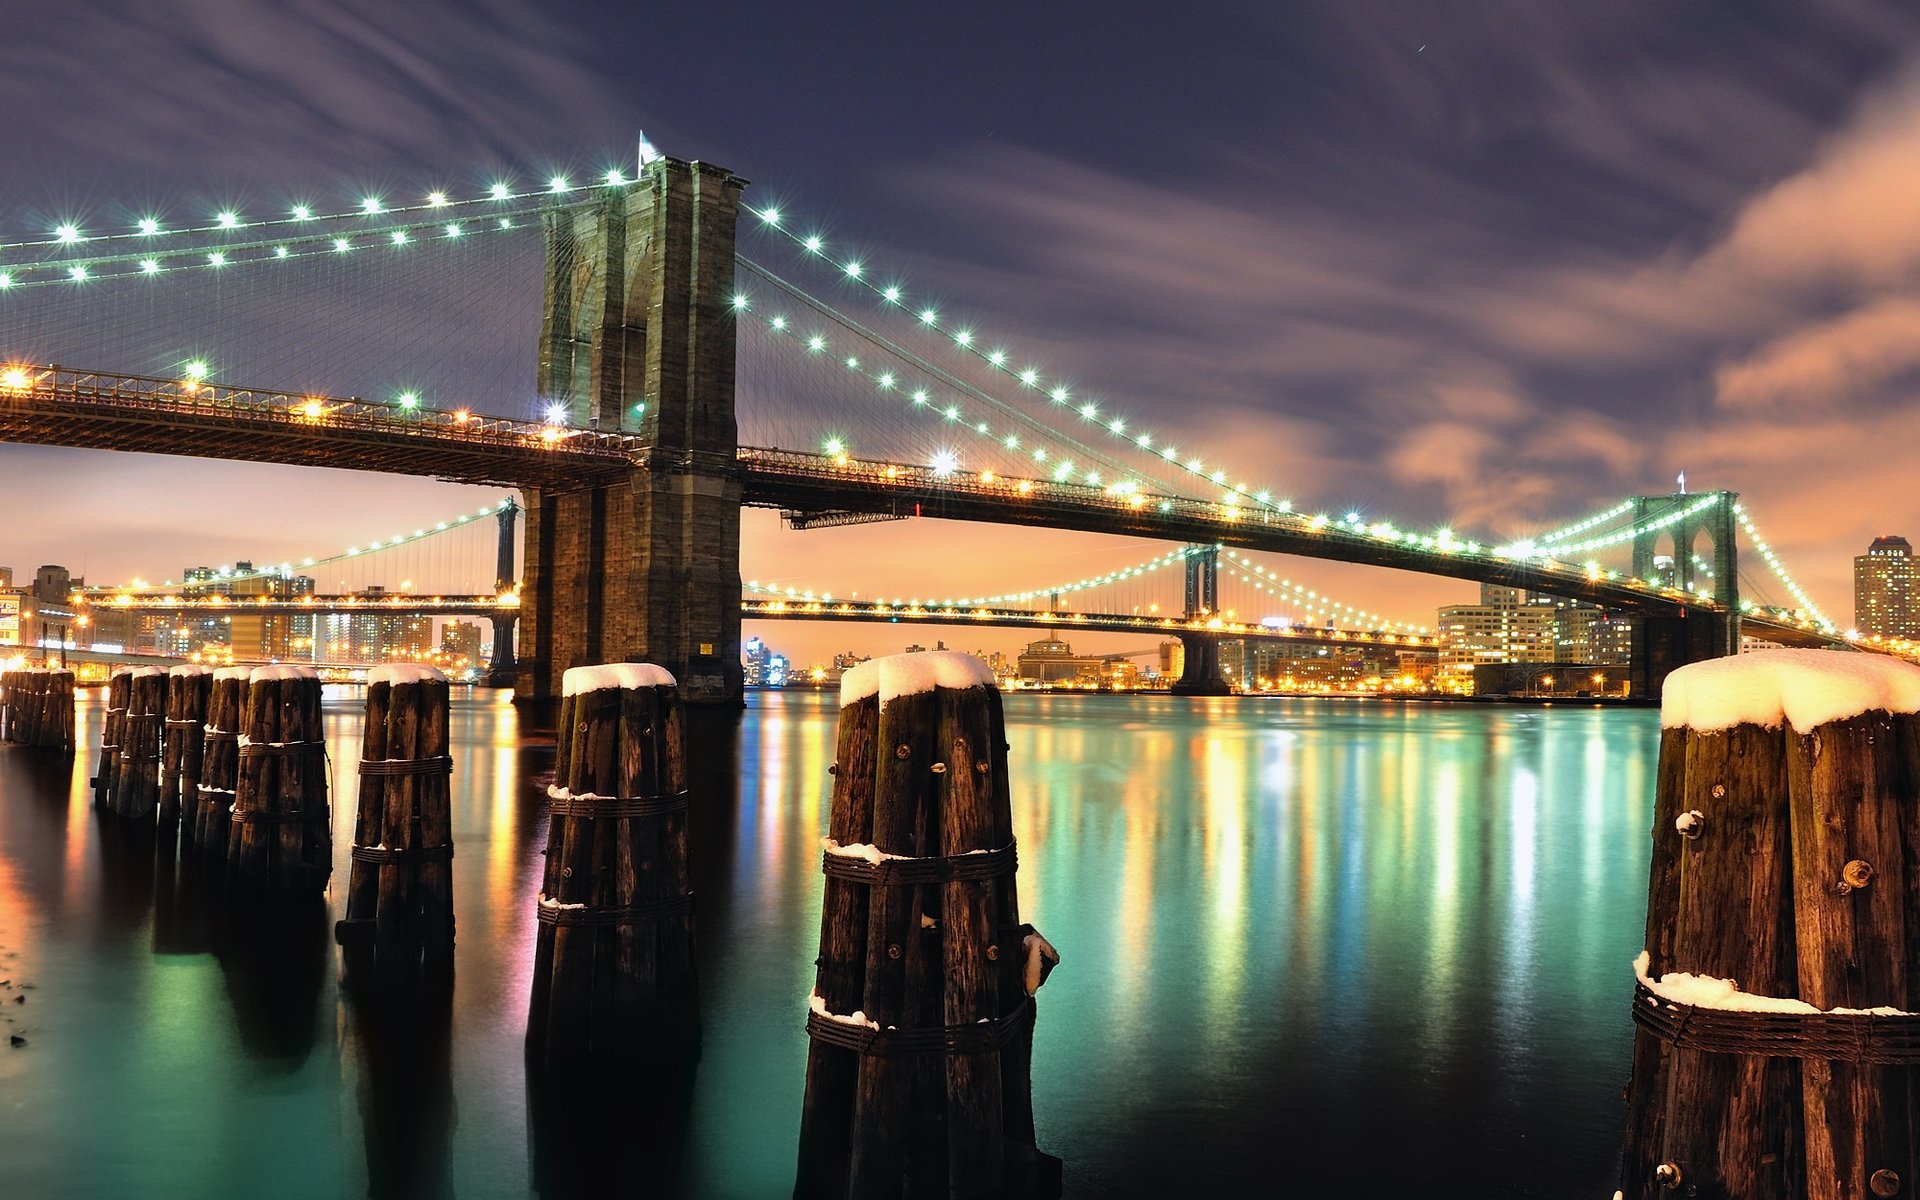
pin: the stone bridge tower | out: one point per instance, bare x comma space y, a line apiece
637, 335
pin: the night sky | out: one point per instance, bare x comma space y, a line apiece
1491, 264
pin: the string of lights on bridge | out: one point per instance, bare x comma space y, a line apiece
149, 247
226, 574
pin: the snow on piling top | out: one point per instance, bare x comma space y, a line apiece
146, 672
405, 673
282, 671
614, 675
190, 669
231, 673
1806, 688
910, 674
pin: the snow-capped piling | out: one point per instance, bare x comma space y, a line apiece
613, 975
1778, 998
398, 929
184, 742
921, 1017
212, 799
136, 779
280, 836
36, 708
113, 721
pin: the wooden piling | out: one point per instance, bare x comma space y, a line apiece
1786, 833
613, 975
280, 836
136, 782
213, 798
113, 723
923, 998
399, 924
183, 745
36, 708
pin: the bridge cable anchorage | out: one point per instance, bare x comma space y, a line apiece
892, 295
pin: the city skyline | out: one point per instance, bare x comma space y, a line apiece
1394, 289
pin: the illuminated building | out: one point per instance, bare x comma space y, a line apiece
1886, 600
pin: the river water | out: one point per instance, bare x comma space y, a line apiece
1307, 944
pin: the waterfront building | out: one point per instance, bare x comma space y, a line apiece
40, 616
1503, 628
1886, 589
1051, 660
460, 644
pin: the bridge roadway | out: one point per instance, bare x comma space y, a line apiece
50, 405
762, 608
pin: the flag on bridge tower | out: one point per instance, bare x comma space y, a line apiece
1683, 483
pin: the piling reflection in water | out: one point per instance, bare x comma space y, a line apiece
1302, 932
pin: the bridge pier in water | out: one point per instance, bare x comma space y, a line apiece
638, 335
1200, 673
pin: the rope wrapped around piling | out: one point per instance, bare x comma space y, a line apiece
981, 1037
590, 806
555, 914
900, 872
441, 765
387, 854
1877, 1039
287, 749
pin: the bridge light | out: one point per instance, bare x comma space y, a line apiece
149, 226
964, 337
453, 229
216, 259
194, 369
771, 216
499, 191
998, 358
853, 270
148, 266
77, 273
371, 205
853, 364
341, 245
813, 244
892, 295
836, 447
778, 323
816, 343
945, 462
557, 184
739, 303
886, 382
67, 234
14, 379
302, 213
1089, 411
399, 237
1030, 377
409, 400
313, 410
615, 178
460, 417
920, 397
928, 316
228, 219
280, 252
952, 413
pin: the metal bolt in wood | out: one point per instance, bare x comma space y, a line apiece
1885, 1182
1667, 1175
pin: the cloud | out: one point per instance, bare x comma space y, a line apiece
1830, 363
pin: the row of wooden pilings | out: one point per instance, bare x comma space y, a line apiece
36, 708
922, 1016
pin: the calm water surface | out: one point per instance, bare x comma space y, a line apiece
1323, 944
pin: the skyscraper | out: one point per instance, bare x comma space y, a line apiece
1886, 600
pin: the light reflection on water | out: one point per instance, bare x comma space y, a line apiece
1318, 938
